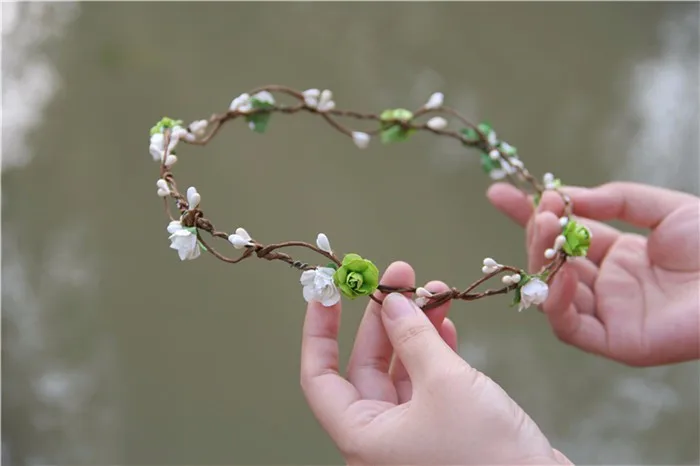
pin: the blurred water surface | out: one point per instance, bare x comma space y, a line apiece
116, 352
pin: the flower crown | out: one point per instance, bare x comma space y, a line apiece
354, 276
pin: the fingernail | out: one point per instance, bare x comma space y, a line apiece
397, 306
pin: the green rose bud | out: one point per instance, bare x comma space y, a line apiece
356, 277
578, 239
391, 131
165, 122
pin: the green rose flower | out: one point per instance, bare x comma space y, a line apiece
356, 276
578, 239
393, 131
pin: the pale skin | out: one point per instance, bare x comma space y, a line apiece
409, 398
635, 298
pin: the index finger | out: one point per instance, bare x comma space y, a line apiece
328, 394
637, 204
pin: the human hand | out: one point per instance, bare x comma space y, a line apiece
428, 407
633, 299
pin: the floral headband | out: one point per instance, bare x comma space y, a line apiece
354, 276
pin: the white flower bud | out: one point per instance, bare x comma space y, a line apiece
360, 139
325, 102
492, 138
197, 128
559, 242
163, 188
311, 97
323, 243
548, 178
563, 221
193, 198
170, 160
507, 280
550, 253
241, 104
495, 155
437, 123
240, 239
435, 101
423, 293
515, 278
489, 262
486, 270
264, 96
516, 162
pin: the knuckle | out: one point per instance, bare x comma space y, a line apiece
414, 334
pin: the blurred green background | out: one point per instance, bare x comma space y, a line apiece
115, 352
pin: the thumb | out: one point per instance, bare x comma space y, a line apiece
415, 340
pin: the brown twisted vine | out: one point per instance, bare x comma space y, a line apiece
395, 125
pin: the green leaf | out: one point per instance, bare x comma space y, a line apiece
536, 199
201, 246
395, 133
470, 134
332, 265
485, 127
259, 120
488, 164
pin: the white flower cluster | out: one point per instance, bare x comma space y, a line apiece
322, 101
549, 181
490, 266
244, 102
559, 243
510, 164
318, 284
511, 279
192, 132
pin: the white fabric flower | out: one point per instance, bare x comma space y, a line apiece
241, 104
437, 123
184, 241
533, 292
318, 286
360, 139
435, 101
163, 188
240, 239
323, 243
193, 198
